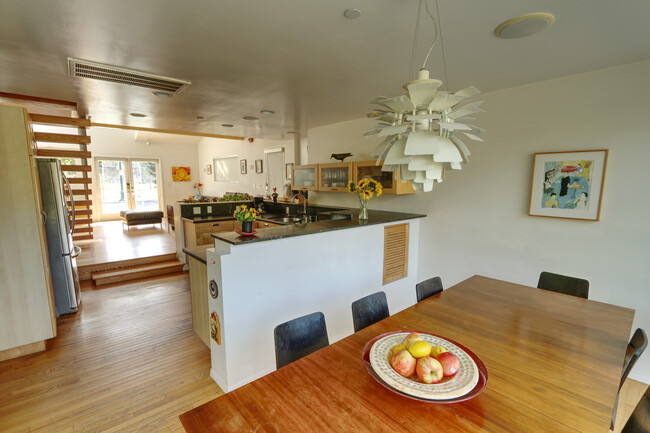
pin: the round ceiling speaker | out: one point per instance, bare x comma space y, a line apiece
524, 25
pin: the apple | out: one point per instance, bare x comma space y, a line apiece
411, 338
396, 349
403, 363
450, 363
429, 370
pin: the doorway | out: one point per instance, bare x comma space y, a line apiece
275, 170
127, 184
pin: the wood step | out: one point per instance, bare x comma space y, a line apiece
83, 212
74, 122
82, 221
85, 272
72, 167
83, 229
78, 180
51, 137
134, 272
81, 203
80, 192
82, 237
58, 153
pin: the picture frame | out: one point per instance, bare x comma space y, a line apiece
288, 170
208, 169
258, 166
568, 184
242, 167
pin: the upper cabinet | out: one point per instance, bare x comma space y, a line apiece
389, 180
303, 177
334, 177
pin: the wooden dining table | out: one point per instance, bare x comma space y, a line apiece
553, 363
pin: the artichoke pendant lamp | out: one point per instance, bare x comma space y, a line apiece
422, 128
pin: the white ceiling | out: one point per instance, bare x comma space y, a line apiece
299, 58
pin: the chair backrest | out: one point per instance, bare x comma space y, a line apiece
299, 337
563, 284
639, 421
368, 310
428, 288
635, 348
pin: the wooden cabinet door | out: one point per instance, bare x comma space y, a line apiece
389, 180
334, 177
304, 177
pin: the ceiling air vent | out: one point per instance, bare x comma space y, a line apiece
115, 74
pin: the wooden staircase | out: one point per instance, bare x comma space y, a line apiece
138, 268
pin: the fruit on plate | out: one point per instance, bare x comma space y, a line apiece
429, 370
403, 363
411, 338
396, 349
450, 363
420, 349
437, 350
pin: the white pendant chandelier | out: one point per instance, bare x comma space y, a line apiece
422, 128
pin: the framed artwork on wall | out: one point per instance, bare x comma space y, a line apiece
208, 169
288, 166
242, 167
568, 184
258, 166
181, 174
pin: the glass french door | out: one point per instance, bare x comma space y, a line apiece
127, 183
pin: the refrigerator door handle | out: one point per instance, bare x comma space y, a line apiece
44, 217
77, 251
73, 216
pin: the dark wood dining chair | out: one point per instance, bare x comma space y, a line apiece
639, 421
635, 348
368, 310
428, 288
299, 337
563, 284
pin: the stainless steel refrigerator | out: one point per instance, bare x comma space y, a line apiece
59, 227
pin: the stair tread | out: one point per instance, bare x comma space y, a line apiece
136, 269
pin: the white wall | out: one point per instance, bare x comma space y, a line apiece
478, 219
251, 182
121, 142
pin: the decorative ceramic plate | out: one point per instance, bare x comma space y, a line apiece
241, 233
467, 383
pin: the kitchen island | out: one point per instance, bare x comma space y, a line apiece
281, 273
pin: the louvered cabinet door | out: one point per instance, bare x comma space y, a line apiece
396, 252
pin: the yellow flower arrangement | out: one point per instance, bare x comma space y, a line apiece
244, 213
365, 189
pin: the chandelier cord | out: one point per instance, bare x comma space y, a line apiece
415, 41
435, 38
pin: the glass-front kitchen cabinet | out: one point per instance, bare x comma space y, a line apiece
334, 177
303, 177
389, 180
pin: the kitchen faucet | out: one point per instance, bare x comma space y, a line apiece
304, 202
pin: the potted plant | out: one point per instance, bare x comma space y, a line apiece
275, 195
365, 189
246, 215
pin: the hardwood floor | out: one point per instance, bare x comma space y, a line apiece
127, 361
113, 243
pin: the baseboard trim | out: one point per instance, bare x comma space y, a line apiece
26, 349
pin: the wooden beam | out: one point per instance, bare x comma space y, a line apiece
168, 131
61, 138
14, 97
73, 122
57, 153
77, 180
73, 167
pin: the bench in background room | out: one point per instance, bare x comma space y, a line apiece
135, 217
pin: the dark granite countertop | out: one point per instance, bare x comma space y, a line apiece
289, 230
198, 252
208, 219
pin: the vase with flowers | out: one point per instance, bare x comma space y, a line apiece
275, 195
199, 188
246, 215
365, 189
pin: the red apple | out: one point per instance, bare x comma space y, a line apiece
450, 363
429, 370
403, 363
411, 338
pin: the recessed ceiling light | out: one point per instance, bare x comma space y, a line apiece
138, 115
251, 118
227, 125
267, 112
352, 13
524, 25
200, 117
163, 94
291, 132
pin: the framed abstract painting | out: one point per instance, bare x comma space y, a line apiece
568, 184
